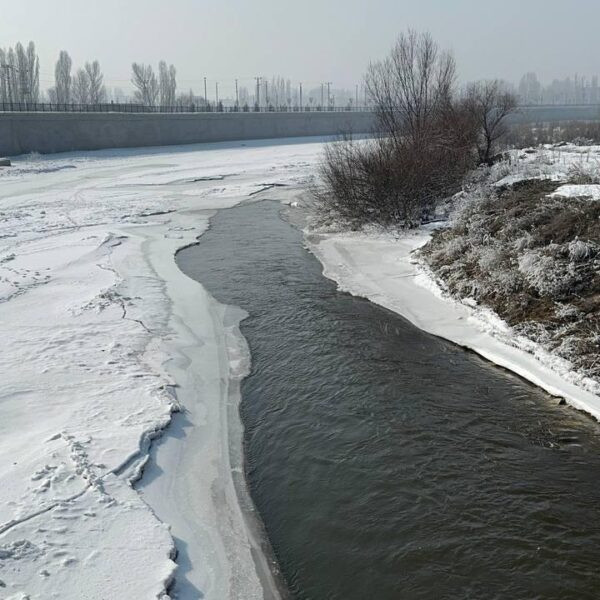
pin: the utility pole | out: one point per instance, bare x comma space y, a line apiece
258, 91
267, 93
328, 94
217, 93
237, 95
301, 96
205, 96
322, 95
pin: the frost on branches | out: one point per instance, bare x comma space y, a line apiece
528, 247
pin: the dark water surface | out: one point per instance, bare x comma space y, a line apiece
389, 464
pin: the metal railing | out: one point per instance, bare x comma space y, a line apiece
141, 108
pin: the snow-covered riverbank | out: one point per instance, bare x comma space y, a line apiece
100, 329
383, 269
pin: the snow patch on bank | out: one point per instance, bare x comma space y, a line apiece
591, 191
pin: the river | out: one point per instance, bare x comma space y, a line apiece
387, 463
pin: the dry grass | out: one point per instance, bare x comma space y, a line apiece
582, 133
533, 259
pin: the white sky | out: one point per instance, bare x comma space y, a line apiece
306, 40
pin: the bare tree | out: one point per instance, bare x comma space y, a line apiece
187, 99
279, 91
244, 96
8, 72
424, 145
19, 74
52, 95
97, 91
28, 73
80, 88
4, 95
489, 106
144, 80
62, 77
33, 72
411, 88
167, 81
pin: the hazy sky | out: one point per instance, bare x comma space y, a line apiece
307, 40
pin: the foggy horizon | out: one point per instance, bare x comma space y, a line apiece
319, 43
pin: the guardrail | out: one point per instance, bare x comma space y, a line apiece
129, 107
140, 108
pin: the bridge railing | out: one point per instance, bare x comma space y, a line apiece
192, 108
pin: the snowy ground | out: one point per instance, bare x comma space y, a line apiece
104, 338
99, 326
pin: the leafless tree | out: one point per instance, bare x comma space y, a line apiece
62, 77
489, 106
187, 99
167, 83
144, 80
97, 91
19, 74
28, 69
244, 96
411, 89
80, 89
4, 95
33, 73
8, 72
424, 143
279, 91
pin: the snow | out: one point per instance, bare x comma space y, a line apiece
104, 341
553, 162
382, 269
591, 191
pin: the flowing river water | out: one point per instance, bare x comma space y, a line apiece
387, 463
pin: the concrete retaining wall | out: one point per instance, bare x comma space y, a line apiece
60, 132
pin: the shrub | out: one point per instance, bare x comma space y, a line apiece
532, 257
426, 141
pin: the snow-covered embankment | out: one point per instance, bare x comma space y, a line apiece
104, 338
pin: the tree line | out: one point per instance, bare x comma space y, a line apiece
19, 74
20, 80
20, 83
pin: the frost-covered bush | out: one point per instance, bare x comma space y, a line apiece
546, 275
582, 141
532, 257
584, 172
567, 312
456, 249
491, 258
508, 282
523, 242
580, 251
